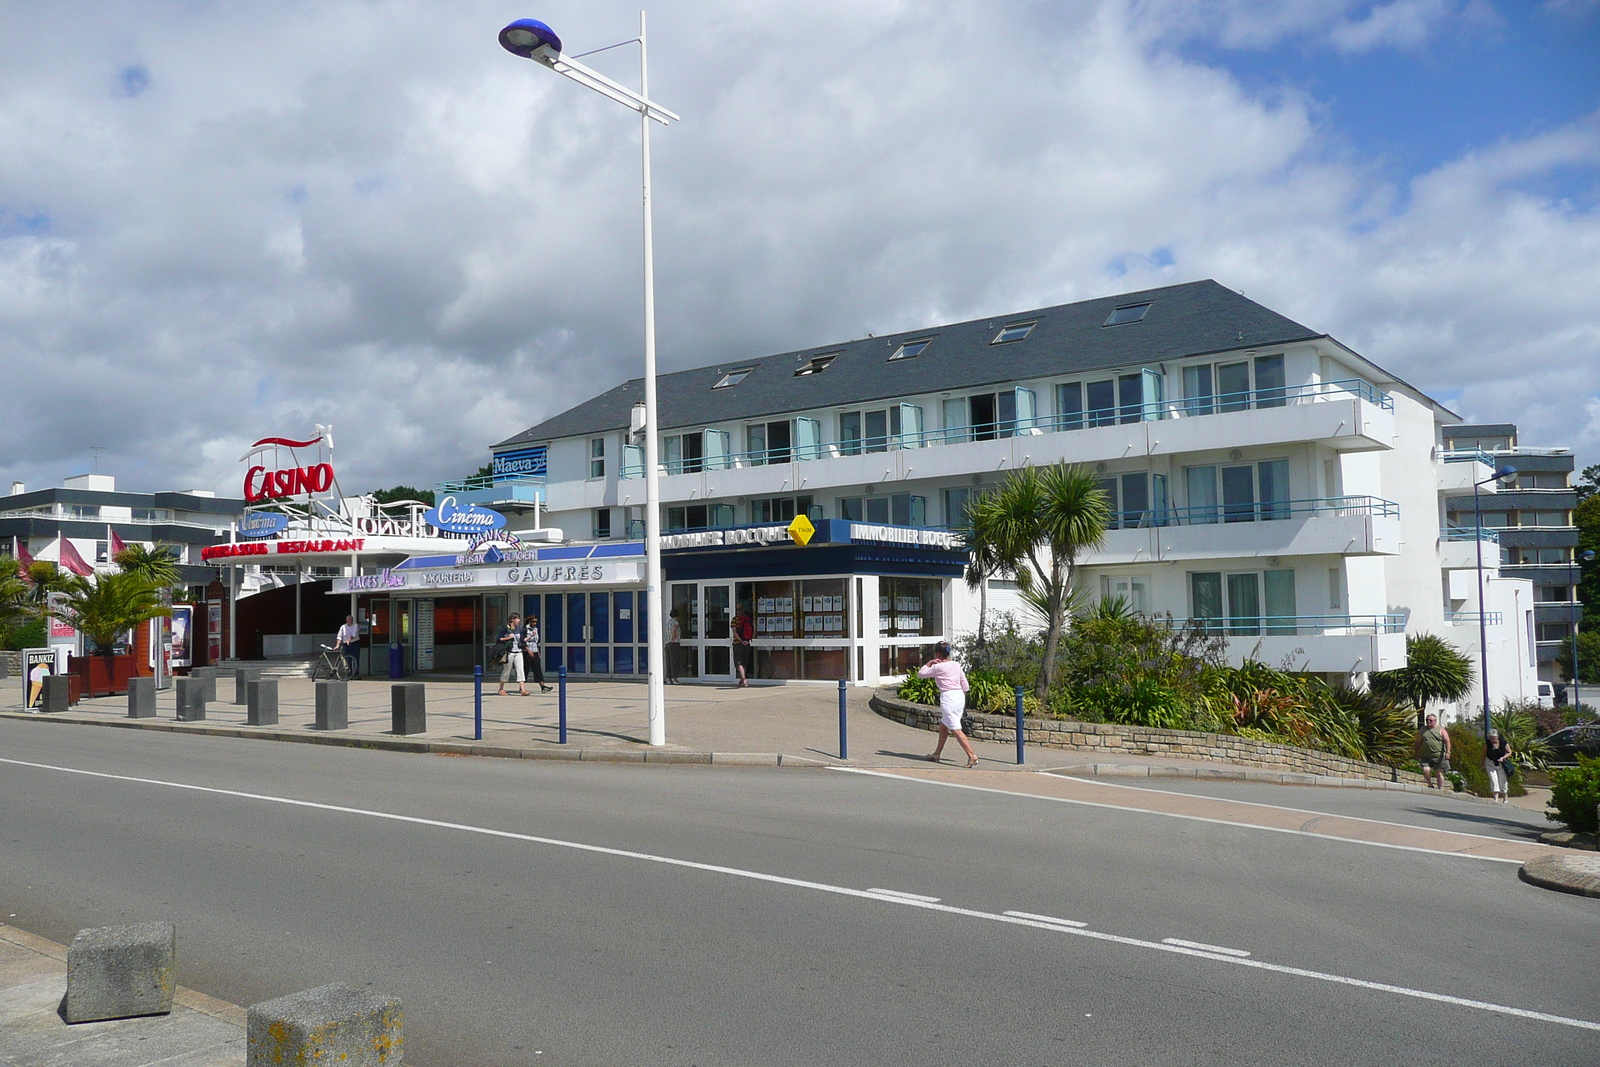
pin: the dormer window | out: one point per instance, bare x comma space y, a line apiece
1014, 332
733, 377
1127, 313
911, 349
816, 364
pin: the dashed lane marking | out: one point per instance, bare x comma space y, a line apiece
1241, 953
838, 890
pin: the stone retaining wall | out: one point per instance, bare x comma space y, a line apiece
10, 663
1144, 741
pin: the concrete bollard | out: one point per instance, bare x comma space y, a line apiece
117, 972
242, 677
191, 700
330, 1024
208, 682
409, 707
261, 702
333, 704
57, 695
141, 698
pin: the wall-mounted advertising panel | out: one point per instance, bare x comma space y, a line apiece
521, 463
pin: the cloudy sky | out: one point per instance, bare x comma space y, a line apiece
222, 219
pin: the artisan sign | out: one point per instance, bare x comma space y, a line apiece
467, 520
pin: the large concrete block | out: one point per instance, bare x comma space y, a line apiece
408, 701
117, 972
261, 702
191, 699
333, 704
242, 677
141, 698
57, 695
332, 1024
208, 682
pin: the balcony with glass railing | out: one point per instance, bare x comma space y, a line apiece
1293, 625
488, 490
806, 442
1473, 618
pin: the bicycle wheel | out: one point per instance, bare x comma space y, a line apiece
341, 670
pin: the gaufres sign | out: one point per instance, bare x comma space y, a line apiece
262, 483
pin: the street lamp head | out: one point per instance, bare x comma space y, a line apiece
1586, 556
531, 39
1505, 473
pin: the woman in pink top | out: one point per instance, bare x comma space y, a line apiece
953, 688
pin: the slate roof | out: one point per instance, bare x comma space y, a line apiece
1191, 319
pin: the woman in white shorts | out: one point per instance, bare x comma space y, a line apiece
953, 686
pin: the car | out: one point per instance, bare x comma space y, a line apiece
1547, 695
1565, 745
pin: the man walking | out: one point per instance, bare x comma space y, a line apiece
508, 643
1433, 751
349, 640
673, 636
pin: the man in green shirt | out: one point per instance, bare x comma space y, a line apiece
1433, 750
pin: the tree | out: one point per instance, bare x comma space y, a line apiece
13, 594
159, 565
1434, 670
1586, 517
984, 565
111, 606
1588, 653
403, 492
45, 577
1036, 524
1588, 482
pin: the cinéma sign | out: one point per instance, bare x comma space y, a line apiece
468, 520
263, 523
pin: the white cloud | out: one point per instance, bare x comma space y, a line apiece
368, 214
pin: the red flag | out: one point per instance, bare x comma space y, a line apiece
72, 561
24, 557
118, 545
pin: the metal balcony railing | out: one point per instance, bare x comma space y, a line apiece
489, 481
1253, 511
1469, 533
1466, 455
1471, 618
1221, 403
1296, 625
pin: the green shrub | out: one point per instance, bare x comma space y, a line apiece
919, 690
1388, 730
1008, 651
27, 635
1574, 792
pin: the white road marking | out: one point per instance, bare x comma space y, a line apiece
1045, 919
897, 894
1241, 953
1281, 807
1191, 818
839, 890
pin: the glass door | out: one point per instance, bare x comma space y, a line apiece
718, 640
577, 627
686, 610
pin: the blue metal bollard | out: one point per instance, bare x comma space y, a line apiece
844, 724
477, 702
1019, 726
561, 701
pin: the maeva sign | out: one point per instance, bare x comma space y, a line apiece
466, 520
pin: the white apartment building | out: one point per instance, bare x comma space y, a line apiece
1266, 478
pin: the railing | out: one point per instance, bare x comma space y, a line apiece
1219, 403
1253, 511
490, 481
1294, 625
1470, 533
1466, 455
1472, 618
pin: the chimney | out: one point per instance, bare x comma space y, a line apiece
17, 489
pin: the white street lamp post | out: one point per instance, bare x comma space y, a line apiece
532, 39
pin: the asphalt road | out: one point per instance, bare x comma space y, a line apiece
758, 943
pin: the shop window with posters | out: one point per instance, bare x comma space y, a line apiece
795, 621
911, 622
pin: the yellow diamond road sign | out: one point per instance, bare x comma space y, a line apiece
801, 530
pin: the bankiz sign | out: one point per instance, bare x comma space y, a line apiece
262, 483
471, 519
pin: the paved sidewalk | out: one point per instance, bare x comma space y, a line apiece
785, 725
199, 1032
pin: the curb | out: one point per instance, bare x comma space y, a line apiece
1565, 874
1229, 774
444, 748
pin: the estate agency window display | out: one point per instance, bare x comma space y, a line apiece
909, 609
801, 627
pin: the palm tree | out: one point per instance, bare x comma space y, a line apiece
1434, 670
110, 607
984, 565
1036, 524
44, 578
13, 593
157, 564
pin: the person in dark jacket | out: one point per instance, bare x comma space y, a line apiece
1496, 754
530, 649
508, 642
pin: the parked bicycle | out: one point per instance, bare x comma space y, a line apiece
332, 664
